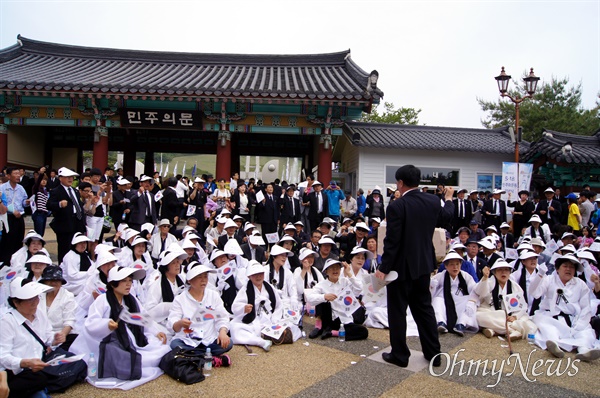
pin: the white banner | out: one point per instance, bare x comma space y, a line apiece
516, 177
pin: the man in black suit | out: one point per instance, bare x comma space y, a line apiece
549, 210
268, 213
254, 250
230, 228
120, 209
170, 207
473, 257
353, 239
65, 204
488, 253
408, 250
462, 211
508, 239
53, 180
494, 210
142, 205
290, 208
318, 205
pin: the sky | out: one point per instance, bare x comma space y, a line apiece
437, 56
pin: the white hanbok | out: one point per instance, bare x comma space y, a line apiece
72, 272
96, 329
460, 299
288, 291
61, 312
310, 281
155, 244
316, 295
156, 306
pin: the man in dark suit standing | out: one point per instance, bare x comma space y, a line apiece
53, 180
268, 213
254, 250
549, 210
290, 208
65, 204
462, 211
494, 210
142, 205
408, 250
170, 207
318, 205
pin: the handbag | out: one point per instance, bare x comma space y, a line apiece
106, 227
60, 377
116, 361
286, 337
183, 365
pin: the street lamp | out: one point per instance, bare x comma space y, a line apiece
530, 86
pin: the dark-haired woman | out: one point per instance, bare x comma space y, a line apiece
41, 194
104, 326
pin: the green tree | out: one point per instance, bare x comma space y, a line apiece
392, 115
555, 106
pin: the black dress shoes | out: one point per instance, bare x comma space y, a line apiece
316, 332
389, 358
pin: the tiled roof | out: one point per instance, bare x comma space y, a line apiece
398, 136
585, 149
39, 66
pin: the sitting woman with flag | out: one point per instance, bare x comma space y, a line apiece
525, 275
563, 319
199, 318
502, 308
121, 336
336, 302
224, 279
451, 297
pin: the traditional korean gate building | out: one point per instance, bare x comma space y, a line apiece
57, 100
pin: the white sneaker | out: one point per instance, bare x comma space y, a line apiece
588, 356
554, 349
489, 333
267, 345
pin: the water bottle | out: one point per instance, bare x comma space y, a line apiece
531, 338
342, 333
124, 216
92, 368
311, 312
208, 364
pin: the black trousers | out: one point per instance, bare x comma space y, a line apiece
25, 383
63, 241
12, 241
353, 331
416, 295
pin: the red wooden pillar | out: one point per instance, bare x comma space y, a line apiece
100, 159
3, 145
324, 161
223, 156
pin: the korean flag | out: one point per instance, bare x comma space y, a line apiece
514, 302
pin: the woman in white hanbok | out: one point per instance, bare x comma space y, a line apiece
76, 264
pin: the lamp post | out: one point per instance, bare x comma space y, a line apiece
530, 86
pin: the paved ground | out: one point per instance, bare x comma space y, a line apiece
477, 367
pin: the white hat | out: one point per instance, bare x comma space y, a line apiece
238, 217
524, 246
172, 252
248, 226
195, 268
504, 225
498, 192
315, 182
500, 264
535, 218
198, 179
28, 290
120, 273
537, 242
492, 227
229, 223
473, 191
164, 221
276, 250
361, 225
290, 227
331, 262
595, 247
39, 258
224, 211
569, 248
452, 255
104, 257
585, 255
285, 238
527, 254
221, 220
187, 229
329, 221
128, 234
188, 244
123, 226
145, 178
254, 267
346, 219
549, 189
233, 247
64, 172
326, 240
148, 227
299, 223
216, 253
569, 257
256, 240
358, 249
137, 240
79, 237
33, 235
458, 245
568, 234
123, 181
305, 252
376, 219
103, 247
488, 244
